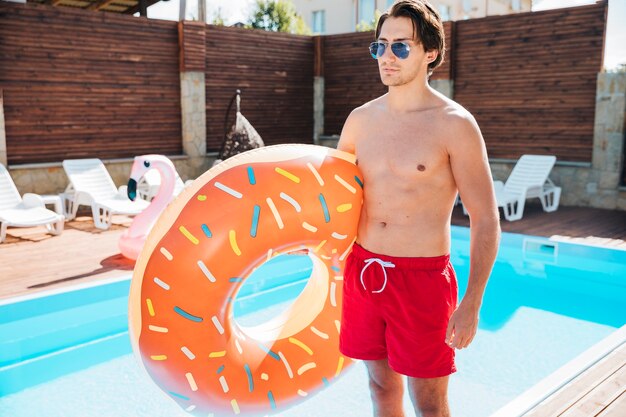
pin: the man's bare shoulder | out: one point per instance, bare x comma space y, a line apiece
356, 124
458, 122
359, 118
369, 108
453, 112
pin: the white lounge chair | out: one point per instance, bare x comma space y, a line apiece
529, 179
150, 183
26, 211
91, 185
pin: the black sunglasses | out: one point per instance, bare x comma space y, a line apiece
399, 49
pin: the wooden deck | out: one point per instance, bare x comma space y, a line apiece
32, 261
578, 224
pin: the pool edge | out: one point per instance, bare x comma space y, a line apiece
549, 385
64, 289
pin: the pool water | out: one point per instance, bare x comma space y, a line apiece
545, 304
491, 373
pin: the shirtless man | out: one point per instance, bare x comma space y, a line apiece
416, 149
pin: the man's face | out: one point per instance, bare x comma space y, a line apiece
395, 71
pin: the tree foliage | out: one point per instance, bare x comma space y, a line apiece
277, 16
217, 18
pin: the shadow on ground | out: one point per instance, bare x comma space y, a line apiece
116, 262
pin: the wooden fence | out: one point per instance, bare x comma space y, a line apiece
79, 83
530, 80
87, 84
274, 72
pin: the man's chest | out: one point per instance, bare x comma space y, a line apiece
404, 153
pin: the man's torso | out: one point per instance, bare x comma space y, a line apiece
409, 186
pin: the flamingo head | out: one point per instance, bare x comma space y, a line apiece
143, 164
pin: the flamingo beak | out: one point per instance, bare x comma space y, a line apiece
132, 189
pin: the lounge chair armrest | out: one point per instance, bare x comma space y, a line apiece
83, 197
32, 200
123, 192
549, 185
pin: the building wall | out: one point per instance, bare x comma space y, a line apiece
460, 9
341, 15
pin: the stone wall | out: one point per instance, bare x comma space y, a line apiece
51, 178
193, 112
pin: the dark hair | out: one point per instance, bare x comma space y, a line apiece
427, 26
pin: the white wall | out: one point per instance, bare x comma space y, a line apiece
341, 14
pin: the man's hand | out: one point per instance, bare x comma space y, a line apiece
462, 327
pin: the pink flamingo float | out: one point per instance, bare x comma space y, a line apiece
132, 240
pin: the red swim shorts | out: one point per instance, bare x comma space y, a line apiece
398, 308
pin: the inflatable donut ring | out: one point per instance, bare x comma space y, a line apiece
235, 217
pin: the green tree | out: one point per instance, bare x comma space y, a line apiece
277, 16
217, 18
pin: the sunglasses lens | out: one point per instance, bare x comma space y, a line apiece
401, 50
377, 49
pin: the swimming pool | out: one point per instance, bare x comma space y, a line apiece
67, 354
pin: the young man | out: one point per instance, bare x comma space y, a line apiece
416, 149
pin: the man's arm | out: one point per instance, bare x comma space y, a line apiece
470, 167
347, 140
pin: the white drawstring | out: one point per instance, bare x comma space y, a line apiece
383, 265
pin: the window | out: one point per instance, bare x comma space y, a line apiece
444, 12
319, 21
516, 5
467, 6
366, 11
390, 3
